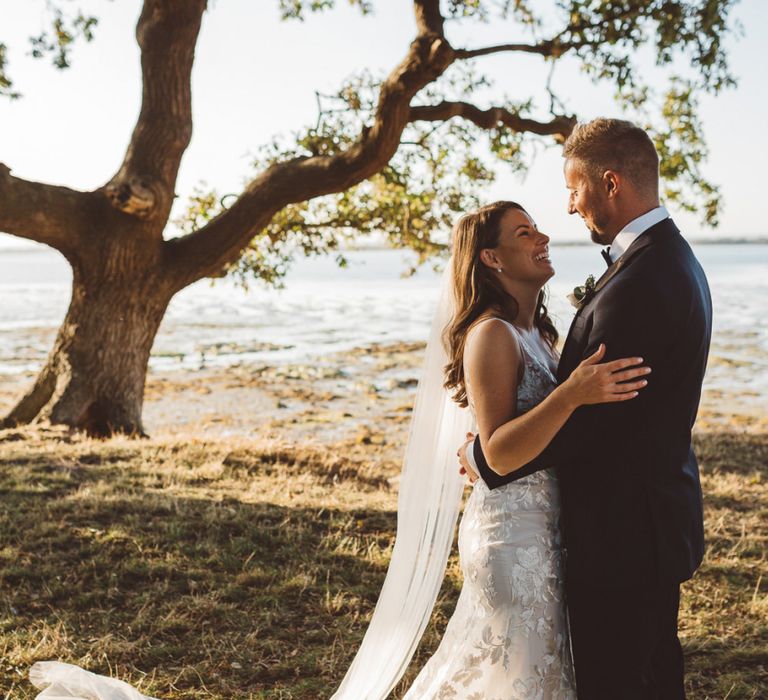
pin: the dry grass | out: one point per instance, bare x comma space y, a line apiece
247, 570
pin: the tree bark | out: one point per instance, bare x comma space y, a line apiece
167, 34
94, 377
44, 213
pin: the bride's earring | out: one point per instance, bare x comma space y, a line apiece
498, 269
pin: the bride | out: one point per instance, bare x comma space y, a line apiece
508, 636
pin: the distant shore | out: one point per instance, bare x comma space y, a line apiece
693, 241
22, 247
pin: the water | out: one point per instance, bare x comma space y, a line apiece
326, 309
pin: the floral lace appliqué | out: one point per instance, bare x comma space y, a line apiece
508, 637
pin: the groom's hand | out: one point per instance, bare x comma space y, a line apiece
465, 467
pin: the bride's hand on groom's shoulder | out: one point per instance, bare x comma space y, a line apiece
464, 466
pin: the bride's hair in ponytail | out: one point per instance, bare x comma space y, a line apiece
476, 290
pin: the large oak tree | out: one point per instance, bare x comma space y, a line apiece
397, 154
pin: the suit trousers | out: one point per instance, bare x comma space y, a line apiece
625, 643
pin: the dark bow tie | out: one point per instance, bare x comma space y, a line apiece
606, 256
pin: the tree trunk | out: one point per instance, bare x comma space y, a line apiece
94, 377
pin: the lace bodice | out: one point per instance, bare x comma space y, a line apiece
539, 368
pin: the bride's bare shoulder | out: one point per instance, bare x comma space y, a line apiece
490, 326
490, 337
493, 364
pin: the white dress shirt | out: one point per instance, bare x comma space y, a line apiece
623, 240
633, 229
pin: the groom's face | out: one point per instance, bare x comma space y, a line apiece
589, 200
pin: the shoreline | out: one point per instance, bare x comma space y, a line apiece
365, 393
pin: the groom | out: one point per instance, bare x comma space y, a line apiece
631, 498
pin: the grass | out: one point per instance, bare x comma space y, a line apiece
240, 570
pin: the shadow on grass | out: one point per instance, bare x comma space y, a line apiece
205, 567
103, 566
744, 454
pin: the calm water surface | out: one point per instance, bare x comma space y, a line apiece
325, 309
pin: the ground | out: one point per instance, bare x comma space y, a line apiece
238, 553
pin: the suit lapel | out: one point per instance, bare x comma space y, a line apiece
648, 237
610, 273
654, 233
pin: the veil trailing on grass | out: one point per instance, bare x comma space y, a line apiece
67, 682
428, 507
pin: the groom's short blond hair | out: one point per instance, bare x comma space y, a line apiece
614, 144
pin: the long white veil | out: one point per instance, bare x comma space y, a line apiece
428, 507
62, 681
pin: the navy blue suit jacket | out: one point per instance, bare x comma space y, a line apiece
631, 499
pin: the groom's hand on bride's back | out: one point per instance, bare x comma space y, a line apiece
465, 467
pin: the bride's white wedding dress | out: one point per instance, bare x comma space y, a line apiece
508, 637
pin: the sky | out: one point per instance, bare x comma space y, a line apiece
255, 77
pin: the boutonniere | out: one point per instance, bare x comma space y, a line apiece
583, 293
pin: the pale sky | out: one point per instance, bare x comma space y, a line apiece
255, 77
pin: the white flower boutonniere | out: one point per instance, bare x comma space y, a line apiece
582, 294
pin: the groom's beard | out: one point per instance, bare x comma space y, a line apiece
598, 232
597, 221
600, 238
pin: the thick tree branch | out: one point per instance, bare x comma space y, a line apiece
207, 251
559, 127
428, 18
167, 34
551, 48
43, 213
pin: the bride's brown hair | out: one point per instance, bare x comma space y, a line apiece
476, 290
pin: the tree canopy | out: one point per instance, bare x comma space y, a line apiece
460, 129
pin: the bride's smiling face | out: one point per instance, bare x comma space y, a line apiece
522, 252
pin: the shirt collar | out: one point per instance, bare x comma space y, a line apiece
633, 229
